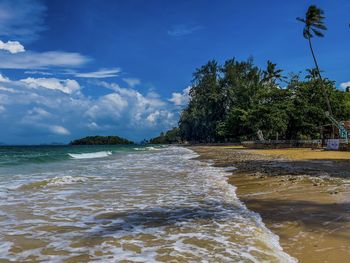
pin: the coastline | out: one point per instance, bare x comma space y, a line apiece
302, 196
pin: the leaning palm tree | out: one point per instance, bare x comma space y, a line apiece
314, 26
271, 74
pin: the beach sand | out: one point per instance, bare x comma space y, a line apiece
302, 195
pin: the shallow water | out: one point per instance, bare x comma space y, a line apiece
139, 204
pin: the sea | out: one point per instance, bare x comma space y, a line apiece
124, 204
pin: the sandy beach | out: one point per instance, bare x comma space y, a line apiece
302, 195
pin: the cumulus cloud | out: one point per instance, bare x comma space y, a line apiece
12, 46
46, 110
102, 73
68, 86
21, 19
37, 60
181, 99
132, 82
159, 114
344, 85
130, 104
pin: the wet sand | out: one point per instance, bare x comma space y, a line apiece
303, 196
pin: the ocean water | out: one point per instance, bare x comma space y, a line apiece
127, 204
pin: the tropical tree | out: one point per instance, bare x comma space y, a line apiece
271, 74
312, 73
314, 26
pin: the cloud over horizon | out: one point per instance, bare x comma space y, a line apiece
59, 110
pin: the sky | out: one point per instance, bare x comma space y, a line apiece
106, 67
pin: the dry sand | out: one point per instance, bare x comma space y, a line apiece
303, 196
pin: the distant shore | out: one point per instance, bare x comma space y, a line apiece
302, 195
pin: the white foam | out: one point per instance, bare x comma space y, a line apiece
161, 195
5, 247
62, 180
148, 148
90, 155
140, 149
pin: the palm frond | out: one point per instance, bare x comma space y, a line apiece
317, 33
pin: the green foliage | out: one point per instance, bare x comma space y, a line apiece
313, 22
100, 140
233, 101
171, 136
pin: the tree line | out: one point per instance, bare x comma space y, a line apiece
235, 100
231, 102
100, 140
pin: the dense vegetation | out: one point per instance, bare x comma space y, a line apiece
100, 140
233, 101
171, 136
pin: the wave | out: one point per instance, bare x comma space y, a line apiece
55, 181
149, 148
90, 155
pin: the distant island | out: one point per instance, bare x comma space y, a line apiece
100, 140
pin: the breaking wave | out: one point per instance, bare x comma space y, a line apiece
90, 155
55, 181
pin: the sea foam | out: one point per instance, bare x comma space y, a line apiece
55, 181
90, 155
158, 206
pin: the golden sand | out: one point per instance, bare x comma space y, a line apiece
305, 154
310, 214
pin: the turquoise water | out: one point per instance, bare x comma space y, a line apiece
124, 203
19, 155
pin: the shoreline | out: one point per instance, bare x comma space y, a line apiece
302, 196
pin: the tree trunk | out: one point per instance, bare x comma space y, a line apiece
322, 84
319, 74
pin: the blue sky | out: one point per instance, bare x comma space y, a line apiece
77, 68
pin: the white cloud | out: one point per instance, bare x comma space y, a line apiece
93, 126
127, 103
344, 85
12, 46
46, 110
21, 19
36, 60
132, 82
102, 73
68, 86
56, 129
183, 30
154, 117
108, 106
181, 99
3, 78
38, 72
39, 113
9, 90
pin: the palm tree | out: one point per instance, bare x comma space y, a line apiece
314, 26
271, 74
312, 73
